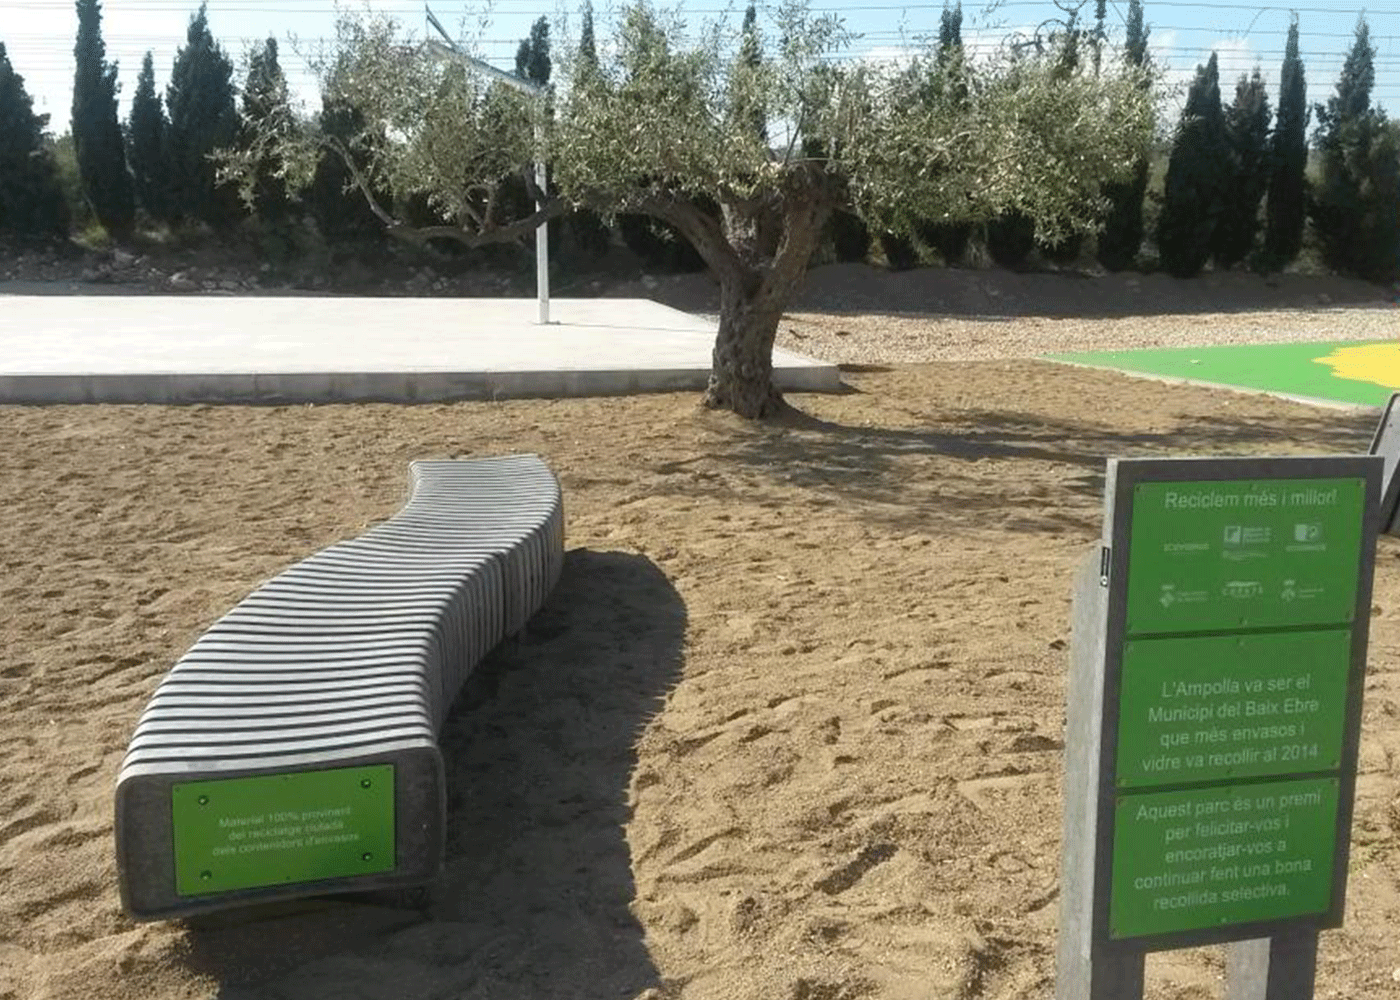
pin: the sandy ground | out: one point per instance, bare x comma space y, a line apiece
790, 727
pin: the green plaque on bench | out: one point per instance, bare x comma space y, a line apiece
278, 829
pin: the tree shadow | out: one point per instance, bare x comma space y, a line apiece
535, 893
911, 478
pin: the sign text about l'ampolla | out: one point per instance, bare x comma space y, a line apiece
1232, 623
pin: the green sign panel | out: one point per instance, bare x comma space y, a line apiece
1220, 555
1211, 708
242, 833
1207, 857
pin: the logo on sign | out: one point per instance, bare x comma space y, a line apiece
1245, 534
1307, 532
1242, 589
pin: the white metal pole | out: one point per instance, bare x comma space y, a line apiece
485, 68
542, 233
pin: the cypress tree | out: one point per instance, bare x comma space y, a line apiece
1123, 228
850, 237
587, 56
899, 251
31, 197
1066, 250
1286, 198
949, 27
1135, 39
97, 135
203, 118
145, 137
1067, 60
532, 63
1100, 34
1196, 178
847, 231
1382, 219
340, 211
265, 109
949, 32
1010, 239
1344, 209
949, 239
748, 108
1247, 139
586, 228
532, 60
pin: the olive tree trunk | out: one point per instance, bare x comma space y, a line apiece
757, 277
741, 376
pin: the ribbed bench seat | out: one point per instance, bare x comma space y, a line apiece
292, 751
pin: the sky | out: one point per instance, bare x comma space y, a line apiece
39, 35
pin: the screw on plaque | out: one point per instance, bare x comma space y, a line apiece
206, 875
366, 856
365, 782
204, 800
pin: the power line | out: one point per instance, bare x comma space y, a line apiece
235, 6
48, 36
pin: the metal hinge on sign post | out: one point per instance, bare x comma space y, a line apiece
1104, 555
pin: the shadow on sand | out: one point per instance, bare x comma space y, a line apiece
924, 478
534, 897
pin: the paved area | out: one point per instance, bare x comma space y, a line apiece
187, 349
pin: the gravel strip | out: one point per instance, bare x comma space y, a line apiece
886, 339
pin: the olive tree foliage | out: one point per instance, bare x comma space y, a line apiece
424, 130
665, 128
265, 109
896, 145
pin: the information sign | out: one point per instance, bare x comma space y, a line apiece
240, 833
1217, 667
1207, 708
1210, 555
1222, 855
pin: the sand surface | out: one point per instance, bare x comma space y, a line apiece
790, 728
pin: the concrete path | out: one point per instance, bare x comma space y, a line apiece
233, 349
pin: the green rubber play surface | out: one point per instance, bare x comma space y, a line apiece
1363, 373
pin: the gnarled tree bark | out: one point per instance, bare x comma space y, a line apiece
756, 282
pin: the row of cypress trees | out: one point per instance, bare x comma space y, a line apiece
168, 143
1226, 161
160, 162
157, 163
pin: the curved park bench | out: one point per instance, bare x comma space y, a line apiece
292, 751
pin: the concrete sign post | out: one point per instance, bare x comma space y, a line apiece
1218, 652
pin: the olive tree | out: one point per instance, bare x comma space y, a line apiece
665, 128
